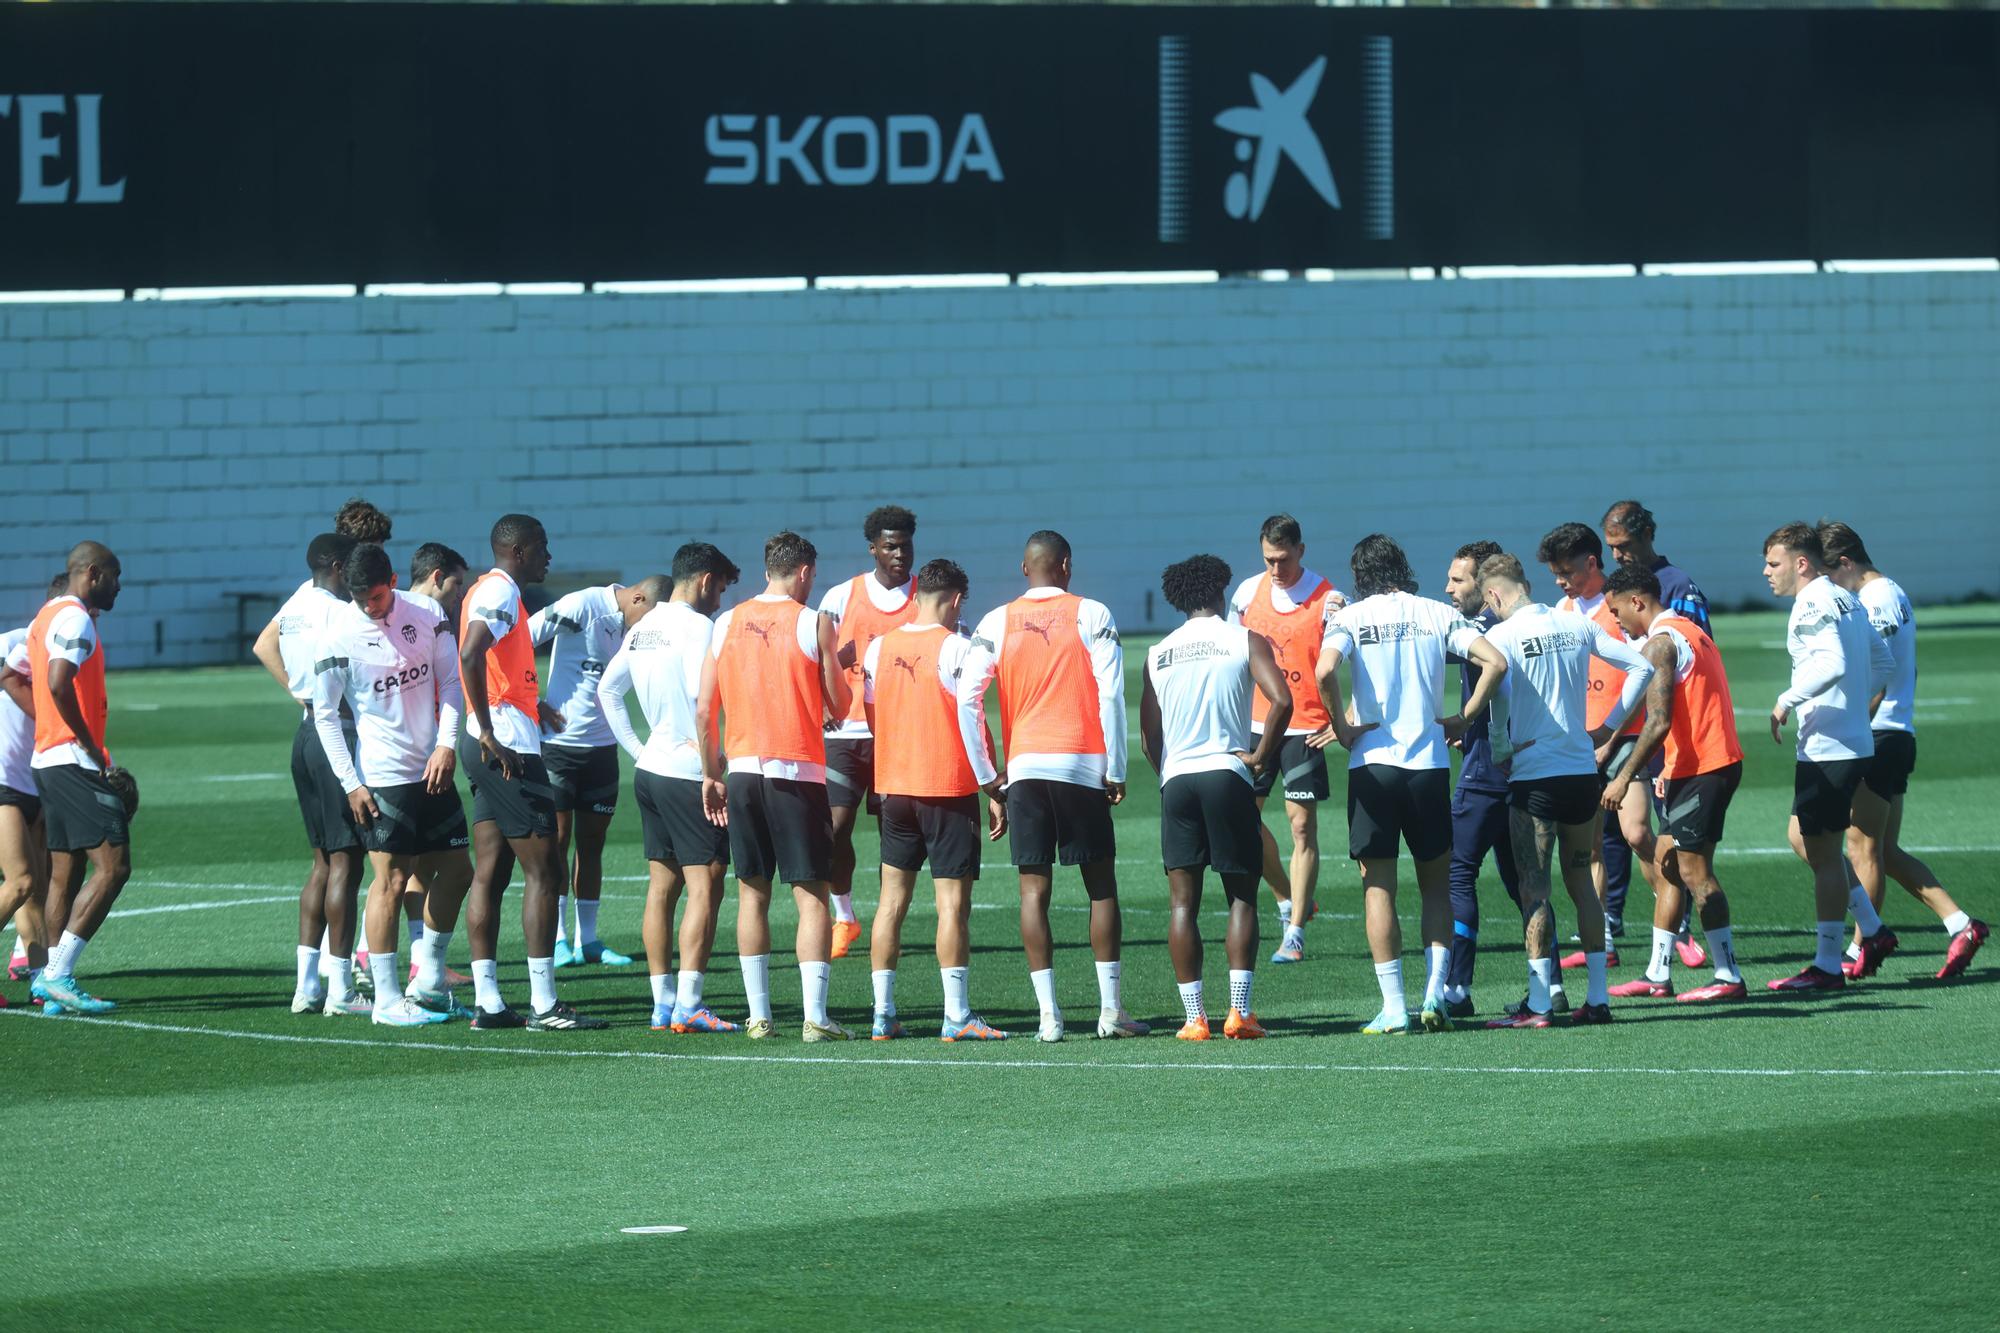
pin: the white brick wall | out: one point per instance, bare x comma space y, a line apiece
207, 442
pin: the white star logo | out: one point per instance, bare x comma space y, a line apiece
1279, 128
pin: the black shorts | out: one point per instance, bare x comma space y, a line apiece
943, 828
1303, 769
780, 830
1210, 819
82, 809
415, 822
675, 828
322, 804
1888, 774
29, 804
850, 772
1388, 806
1615, 765
1823, 794
584, 777
1053, 821
1696, 806
523, 806
1568, 799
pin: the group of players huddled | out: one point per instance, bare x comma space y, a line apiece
771, 724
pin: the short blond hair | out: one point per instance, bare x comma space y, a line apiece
1503, 568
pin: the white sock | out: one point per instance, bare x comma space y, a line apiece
1457, 994
1284, 914
1956, 922
885, 990
1239, 990
562, 917
843, 907
757, 985
325, 952
663, 988
341, 980
1827, 957
1540, 971
813, 979
1295, 937
20, 950
388, 983
1437, 957
1595, 965
957, 1003
416, 930
1722, 952
308, 970
1044, 983
63, 958
687, 996
542, 983
1661, 968
429, 950
1389, 976
586, 922
1852, 952
1107, 986
1191, 1002
486, 985
1864, 911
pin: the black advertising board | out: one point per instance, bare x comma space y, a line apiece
221, 144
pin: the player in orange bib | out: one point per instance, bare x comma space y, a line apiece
83, 809
1062, 713
1288, 605
861, 610
774, 675
513, 802
1691, 717
932, 756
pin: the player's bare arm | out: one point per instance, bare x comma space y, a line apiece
1270, 682
1659, 651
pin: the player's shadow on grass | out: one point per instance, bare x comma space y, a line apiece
1799, 1008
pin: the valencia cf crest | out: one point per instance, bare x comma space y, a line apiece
409, 634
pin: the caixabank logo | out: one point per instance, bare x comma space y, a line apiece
1276, 123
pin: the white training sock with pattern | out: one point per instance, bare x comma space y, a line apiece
1107, 986
542, 983
757, 985
1540, 970
1239, 990
1191, 1002
1661, 966
429, 951
813, 979
64, 957
1864, 911
884, 979
1827, 957
1722, 952
486, 985
957, 1001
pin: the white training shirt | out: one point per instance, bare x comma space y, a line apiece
1201, 678
1395, 644
430, 604
1107, 664
834, 604
17, 729
1838, 662
660, 661
72, 637
1889, 611
399, 676
1548, 654
788, 770
493, 604
954, 655
587, 626
301, 624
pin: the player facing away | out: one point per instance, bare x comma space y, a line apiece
1838, 663
83, 807
861, 610
1479, 821
1062, 719
1691, 719
1195, 724
932, 757
660, 660
1288, 605
288, 649
513, 804
584, 629
389, 665
1553, 788
1874, 838
773, 672
1398, 767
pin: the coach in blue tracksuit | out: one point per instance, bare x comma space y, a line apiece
1479, 805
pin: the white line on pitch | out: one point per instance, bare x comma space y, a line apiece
200, 907
980, 1063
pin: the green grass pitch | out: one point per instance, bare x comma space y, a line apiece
207, 1159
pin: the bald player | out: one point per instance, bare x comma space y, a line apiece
513, 804
84, 811
861, 610
1062, 718
774, 674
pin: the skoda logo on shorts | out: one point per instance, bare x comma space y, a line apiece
409, 634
